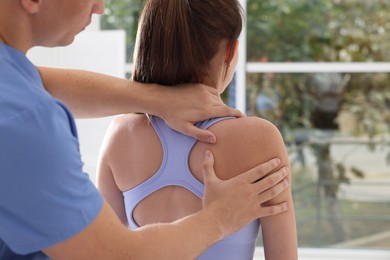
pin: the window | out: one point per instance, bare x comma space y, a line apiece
319, 70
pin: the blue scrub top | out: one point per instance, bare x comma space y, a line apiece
45, 197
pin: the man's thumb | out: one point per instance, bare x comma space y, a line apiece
208, 168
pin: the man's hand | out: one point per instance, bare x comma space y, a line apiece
186, 105
238, 201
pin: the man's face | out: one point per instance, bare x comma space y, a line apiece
59, 21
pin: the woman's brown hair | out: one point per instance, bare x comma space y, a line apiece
177, 39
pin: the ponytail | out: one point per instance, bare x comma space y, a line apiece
177, 39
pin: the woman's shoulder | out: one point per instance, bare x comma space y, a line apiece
128, 123
124, 131
246, 128
243, 143
124, 127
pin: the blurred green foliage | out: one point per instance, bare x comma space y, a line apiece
321, 30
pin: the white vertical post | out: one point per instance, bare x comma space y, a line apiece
241, 66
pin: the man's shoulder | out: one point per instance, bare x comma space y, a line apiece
20, 95
7, 253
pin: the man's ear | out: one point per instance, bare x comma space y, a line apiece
31, 6
231, 49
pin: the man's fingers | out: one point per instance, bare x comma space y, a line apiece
224, 110
273, 210
275, 190
273, 183
261, 170
208, 168
199, 134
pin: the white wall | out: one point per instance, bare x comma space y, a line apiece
99, 51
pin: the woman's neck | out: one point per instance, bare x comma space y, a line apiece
211, 83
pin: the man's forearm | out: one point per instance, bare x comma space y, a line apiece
106, 238
90, 94
184, 239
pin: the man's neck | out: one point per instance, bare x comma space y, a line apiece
2, 39
14, 43
14, 31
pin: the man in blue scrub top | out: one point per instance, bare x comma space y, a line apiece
49, 209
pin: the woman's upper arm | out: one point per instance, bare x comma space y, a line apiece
248, 142
272, 144
279, 231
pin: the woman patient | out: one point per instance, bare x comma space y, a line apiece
150, 173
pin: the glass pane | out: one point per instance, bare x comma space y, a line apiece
321, 30
337, 132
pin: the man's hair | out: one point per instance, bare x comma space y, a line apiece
177, 39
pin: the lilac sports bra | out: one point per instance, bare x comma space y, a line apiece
176, 150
